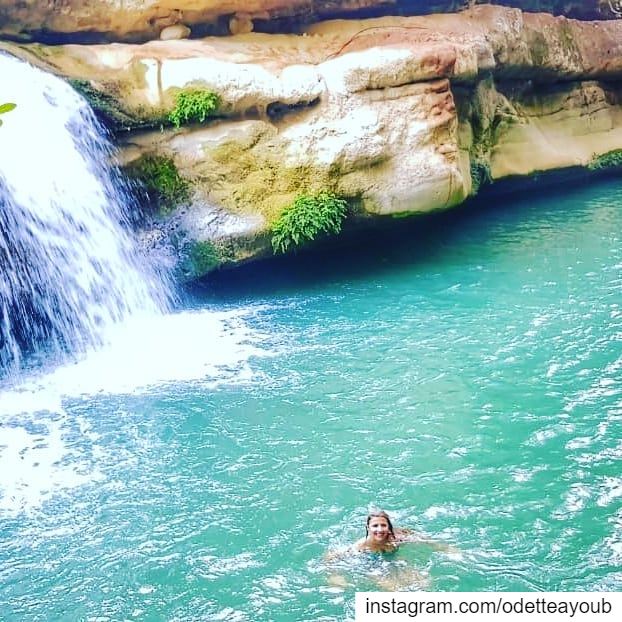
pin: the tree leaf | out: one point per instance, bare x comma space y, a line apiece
7, 107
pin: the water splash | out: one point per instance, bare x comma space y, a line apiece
207, 347
39, 431
69, 268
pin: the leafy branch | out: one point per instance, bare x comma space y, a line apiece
307, 217
193, 106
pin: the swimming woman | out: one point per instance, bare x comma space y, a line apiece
382, 537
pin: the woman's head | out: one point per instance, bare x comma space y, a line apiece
379, 526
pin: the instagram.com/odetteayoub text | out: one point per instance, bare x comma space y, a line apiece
483, 606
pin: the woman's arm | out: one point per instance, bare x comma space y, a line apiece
343, 551
409, 535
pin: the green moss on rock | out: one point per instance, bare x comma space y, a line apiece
539, 49
248, 182
203, 257
165, 187
105, 105
611, 159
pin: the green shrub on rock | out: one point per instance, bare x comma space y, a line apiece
165, 187
307, 217
193, 106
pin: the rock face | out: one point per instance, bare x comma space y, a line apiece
400, 115
142, 20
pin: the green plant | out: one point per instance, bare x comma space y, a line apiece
6, 108
165, 187
203, 258
193, 105
611, 159
305, 218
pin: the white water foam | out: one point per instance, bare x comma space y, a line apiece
144, 354
35, 465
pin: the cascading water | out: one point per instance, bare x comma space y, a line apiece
69, 268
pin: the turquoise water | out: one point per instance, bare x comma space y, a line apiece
466, 378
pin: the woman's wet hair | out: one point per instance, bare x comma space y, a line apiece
378, 514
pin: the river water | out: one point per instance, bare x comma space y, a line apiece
465, 377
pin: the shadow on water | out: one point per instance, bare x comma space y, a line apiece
424, 241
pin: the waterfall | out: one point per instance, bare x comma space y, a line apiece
69, 266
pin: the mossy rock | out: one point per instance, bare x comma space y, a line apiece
480, 175
539, 49
203, 257
611, 159
106, 102
166, 189
200, 257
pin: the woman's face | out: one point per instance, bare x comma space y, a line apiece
378, 529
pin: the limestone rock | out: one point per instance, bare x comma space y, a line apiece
400, 115
176, 31
263, 73
241, 24
103, 21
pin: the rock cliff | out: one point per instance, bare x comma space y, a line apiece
398, 115
90, 21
